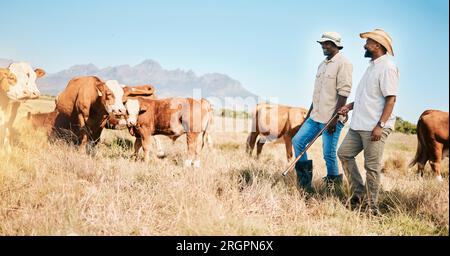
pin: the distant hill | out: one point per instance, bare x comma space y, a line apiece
167, 82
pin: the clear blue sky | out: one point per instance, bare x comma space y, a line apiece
269, 46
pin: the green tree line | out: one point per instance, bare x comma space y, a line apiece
405, 126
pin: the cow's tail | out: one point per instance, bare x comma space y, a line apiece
253, 135
420, 144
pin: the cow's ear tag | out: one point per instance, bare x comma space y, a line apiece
100, 94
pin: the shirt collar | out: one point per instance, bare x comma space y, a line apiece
335, 57
378, 60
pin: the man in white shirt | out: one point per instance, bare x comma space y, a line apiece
372, 119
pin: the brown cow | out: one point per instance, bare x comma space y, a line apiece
432, 141
271, 122
85, 105
132, 92
172, 117
17, 84
43, 120
114, 123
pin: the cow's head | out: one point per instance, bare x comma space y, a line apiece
117, 108
7, 79
106, 96
134, 109
25, 87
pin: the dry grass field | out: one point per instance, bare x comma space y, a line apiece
49, 188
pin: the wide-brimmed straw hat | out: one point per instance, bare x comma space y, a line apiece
333, 37
381, 37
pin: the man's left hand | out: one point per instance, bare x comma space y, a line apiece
376, 133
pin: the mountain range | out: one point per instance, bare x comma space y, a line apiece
168, 83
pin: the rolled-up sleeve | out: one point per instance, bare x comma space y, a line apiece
389, 81
344, 79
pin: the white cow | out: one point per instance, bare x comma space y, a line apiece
18, 85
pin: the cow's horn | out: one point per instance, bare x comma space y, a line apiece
100, 94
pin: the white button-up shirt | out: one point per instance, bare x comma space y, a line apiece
379, 81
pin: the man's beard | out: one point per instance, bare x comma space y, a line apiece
326, 53
368, 54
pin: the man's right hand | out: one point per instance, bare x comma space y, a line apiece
345, 109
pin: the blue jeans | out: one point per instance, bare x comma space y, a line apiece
306, 134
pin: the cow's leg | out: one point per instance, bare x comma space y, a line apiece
288, 144
84, 139
10, 116
435, 160
259, 146
206, 139
94, 140
146, 145
83, 116
251, 140
160, 152
2, 133
422, 160
13, 113
137, 147
3, 120
3, 126
209, 140
198, 149
191, 139
421, 166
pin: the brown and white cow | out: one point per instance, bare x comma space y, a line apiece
271, 122
172, 117
132, 92
85, 105
17, 84
128, 92
432, 141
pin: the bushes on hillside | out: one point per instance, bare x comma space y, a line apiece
404, 126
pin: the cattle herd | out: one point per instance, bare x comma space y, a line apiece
88, 105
